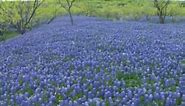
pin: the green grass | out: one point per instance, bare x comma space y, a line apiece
68, 93
90, 87
59, 97
179, 101
110, 82
158, 102
45, 97
171, 88
68, 58
109, 9
84, 80
107, 103
98, 69
149, 81
21, 82
28, 90
142, 99
131, 79
8, 35
77, 96
182, 62
63, 85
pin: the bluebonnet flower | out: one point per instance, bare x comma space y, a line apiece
94, 62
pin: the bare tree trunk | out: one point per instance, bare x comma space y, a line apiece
147, 17
161, 7
1, 33
54, 16
161, 15
161, 19
68, 7
173, 18
71, 17
21, 30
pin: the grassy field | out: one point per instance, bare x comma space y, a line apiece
112, 9
8, 35
108, 9
95, 62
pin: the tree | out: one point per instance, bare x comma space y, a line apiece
161, 6
1, 32
19, 14
54, 13
67, 6
26, 11
6, 15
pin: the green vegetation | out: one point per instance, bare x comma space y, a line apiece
131, 79
77, 96
18, 14
183, 62
107, 103
59, 97
26, 90
8, 35
68, 58
45, 97
124, 9
24, 17
179, 101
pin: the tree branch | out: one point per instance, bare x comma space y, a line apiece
35, 7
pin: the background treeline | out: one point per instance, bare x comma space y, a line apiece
20, 16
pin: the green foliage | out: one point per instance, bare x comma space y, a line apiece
77, 96
131, 79
46, 12
107, 103
18, 14
123, 9
8, 35
179, 101
86, 8
59, 97
160, 102
183, 62
68, 58
69, 92
111, 9
110, 82
26, 90
67, 5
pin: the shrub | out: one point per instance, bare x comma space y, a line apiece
19, 14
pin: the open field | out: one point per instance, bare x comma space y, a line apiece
113, 9
95, 62
137, 10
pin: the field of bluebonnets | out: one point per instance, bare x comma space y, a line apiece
94, 63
